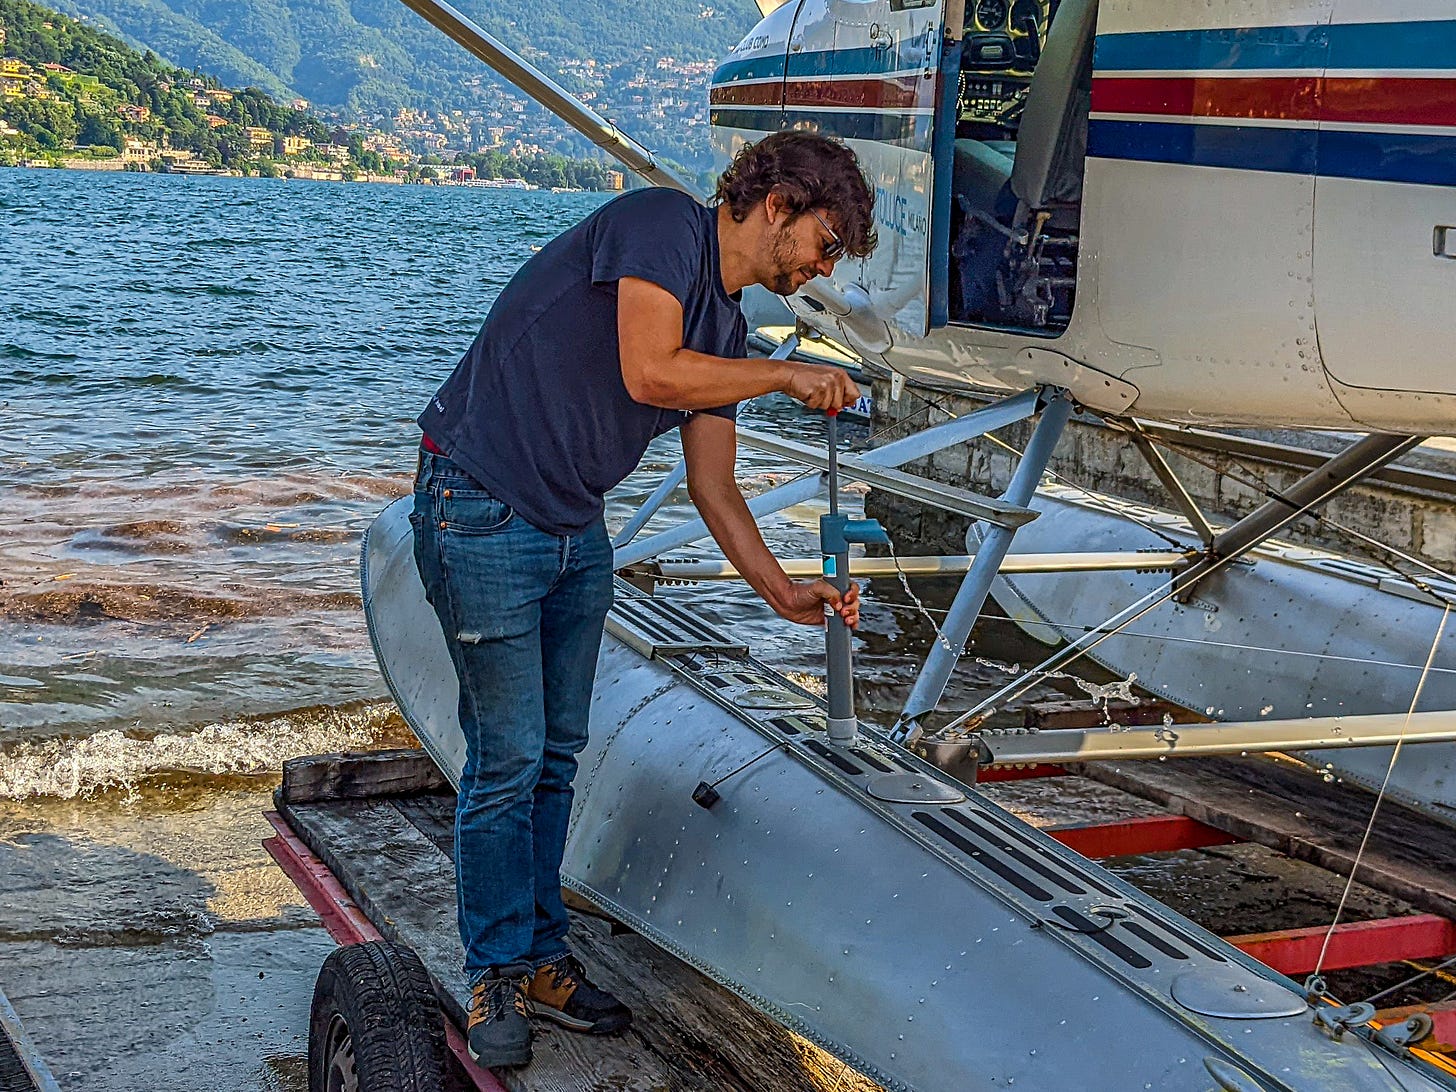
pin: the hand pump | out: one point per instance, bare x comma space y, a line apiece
836, 532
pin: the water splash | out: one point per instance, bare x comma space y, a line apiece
111, 759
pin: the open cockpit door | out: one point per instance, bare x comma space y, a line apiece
868, 72
1014, 149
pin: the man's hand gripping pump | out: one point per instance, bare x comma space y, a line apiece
836, 533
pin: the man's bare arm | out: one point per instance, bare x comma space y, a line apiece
658, 371
710, 447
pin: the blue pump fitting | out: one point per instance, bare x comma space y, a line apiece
836, 532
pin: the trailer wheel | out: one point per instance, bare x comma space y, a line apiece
375, 1024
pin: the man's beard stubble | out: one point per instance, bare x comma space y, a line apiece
782, 253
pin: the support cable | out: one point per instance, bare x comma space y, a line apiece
1380, 796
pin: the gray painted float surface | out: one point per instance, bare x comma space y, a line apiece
938, 945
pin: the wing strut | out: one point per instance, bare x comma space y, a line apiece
550, 94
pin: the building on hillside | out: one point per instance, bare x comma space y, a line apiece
298, 104
463, 174
215, 122
334, 153
14, 75
137, 151
215, 94
132, 112
616, 180
293, 145
259, 139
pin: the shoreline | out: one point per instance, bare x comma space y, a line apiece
104, 166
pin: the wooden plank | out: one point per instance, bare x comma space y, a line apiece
689, 1033
1352, 943
1288, 808
356, 776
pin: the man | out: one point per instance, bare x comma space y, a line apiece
622, 328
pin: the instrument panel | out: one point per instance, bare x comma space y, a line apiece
1003, 40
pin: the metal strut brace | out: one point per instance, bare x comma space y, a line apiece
1332, 478
896, 453
1357, 461
1057, 408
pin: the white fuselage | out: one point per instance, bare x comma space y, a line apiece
1260, 233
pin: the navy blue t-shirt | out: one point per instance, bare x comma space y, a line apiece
537, 410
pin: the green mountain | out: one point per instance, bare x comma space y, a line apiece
369, 58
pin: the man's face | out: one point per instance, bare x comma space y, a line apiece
796, 252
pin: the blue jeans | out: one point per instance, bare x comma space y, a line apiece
522, 612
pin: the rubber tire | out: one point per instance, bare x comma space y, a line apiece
385, 999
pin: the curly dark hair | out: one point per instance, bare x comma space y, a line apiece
809, 171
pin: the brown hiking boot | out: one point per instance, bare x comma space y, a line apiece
561, 991
499, 1032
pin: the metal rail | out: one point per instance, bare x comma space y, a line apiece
1235, 737
946, 565
910, 486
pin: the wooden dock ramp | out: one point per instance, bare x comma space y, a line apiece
382, 823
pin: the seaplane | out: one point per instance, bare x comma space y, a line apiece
1221, 213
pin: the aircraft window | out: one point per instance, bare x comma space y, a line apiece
903, 5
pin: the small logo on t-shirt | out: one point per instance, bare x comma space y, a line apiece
438, 404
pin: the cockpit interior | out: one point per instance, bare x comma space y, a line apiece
1022, 109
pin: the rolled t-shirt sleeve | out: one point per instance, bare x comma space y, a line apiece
653, 237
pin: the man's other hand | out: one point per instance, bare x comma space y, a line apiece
804, 603
821, 386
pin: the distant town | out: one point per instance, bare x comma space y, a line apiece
133, 112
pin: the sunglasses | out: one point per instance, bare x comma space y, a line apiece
834, 249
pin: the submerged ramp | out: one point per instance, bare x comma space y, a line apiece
862, 897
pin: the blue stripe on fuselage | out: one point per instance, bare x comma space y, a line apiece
886, 126
1415, 46
834, 62
1415, 159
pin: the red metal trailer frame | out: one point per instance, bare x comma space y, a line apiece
347, 924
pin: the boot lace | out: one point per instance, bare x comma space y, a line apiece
493, 998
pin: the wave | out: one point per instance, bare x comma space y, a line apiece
11, 351
112, 760
277, 491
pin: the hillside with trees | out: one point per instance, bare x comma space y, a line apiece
71, 94
66, 83
369, 58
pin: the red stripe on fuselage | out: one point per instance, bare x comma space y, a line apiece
1355, 100
746, 94
904, 93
